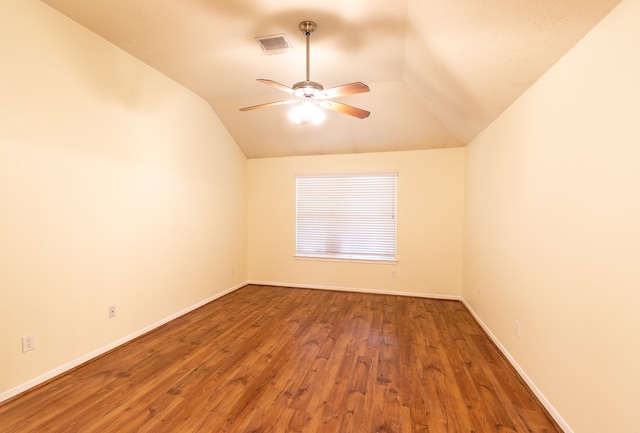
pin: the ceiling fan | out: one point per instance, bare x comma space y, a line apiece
312, 95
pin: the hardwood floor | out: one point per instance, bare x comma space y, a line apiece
272, 359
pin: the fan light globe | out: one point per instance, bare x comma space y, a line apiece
307, 112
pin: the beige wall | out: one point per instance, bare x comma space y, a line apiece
117, 187
552, 235
429, 230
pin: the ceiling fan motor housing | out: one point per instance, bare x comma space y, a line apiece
307, 88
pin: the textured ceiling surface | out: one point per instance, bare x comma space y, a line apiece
439, 70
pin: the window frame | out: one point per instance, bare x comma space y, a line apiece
355, 241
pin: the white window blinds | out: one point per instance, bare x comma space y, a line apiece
346, 217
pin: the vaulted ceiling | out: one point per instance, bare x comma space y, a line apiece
439, 70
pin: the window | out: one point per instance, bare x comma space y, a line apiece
346, 217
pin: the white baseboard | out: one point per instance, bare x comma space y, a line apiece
358, 290
545, 402
104, 349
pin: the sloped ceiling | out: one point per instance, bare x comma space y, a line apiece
439, 70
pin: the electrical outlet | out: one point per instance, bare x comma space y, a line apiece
112, 312
516, 328
234, 270
28, 342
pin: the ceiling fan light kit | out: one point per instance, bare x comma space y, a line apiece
312, 96
307, 112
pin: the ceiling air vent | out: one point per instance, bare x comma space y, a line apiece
274, 44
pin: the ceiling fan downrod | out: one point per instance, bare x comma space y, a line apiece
307, 28
308, 87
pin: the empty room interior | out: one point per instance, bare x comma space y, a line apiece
135, 195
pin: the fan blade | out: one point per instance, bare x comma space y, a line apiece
269, 104
278, 86
346, 89
345, 109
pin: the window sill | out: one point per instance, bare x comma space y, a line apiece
347, 259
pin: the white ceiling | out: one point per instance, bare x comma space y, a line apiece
439, 70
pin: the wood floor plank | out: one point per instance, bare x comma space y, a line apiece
272, 359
